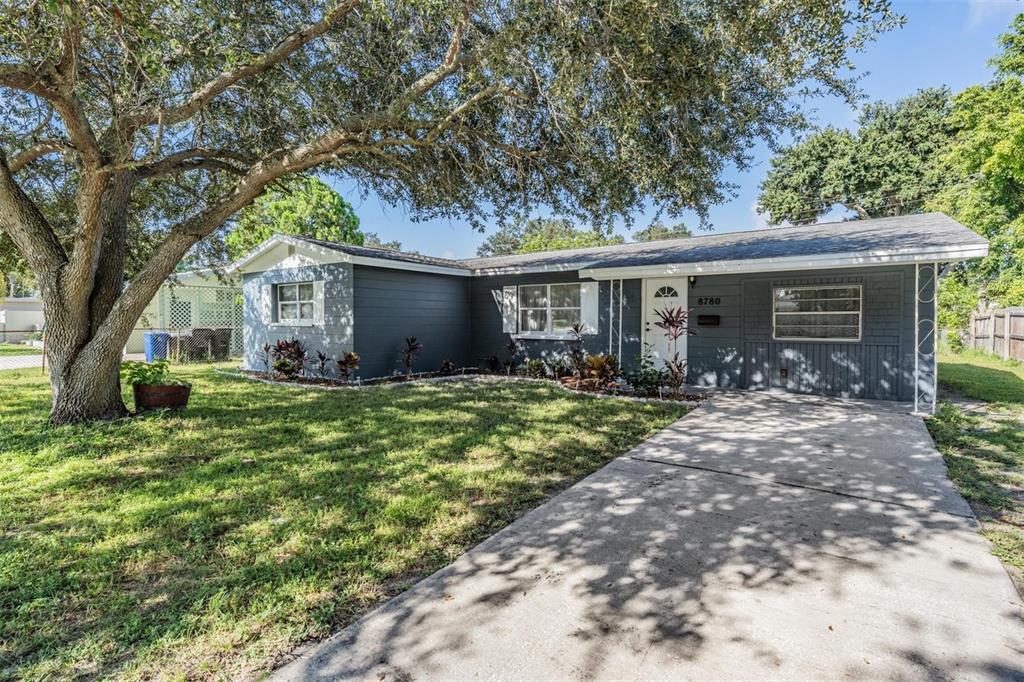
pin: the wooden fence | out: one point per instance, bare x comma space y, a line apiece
999, 331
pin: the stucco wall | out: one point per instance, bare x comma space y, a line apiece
334, 336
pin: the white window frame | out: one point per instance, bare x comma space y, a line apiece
815, 287
549, 331
298, 303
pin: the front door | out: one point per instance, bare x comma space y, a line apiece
660, 294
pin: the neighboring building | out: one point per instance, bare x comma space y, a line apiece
20, 318
196, 299
843, 308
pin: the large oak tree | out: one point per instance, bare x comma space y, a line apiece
132, 131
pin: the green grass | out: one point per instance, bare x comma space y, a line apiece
9, 349
208, 543
984, 448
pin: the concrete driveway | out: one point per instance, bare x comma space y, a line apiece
758, 537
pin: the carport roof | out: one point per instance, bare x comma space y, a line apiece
923, 237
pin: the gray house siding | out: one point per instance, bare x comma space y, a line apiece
391, 304
741, 351
488, 339
334, 336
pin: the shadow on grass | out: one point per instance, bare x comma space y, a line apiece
215, 539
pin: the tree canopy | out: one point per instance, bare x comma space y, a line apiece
986, 162
305, 207
131, 133
544, 234
883, 168
659, 230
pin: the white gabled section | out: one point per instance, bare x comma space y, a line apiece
283, 251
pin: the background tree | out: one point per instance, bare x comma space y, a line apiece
544, 234
373, 240
884, 168
659, 230
985, 161
166, 118
305, 207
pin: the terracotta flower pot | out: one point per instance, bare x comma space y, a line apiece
149, 397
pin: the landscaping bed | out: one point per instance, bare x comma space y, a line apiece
211, 542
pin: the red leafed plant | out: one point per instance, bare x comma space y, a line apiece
675, 322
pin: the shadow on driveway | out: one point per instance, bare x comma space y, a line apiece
768, 536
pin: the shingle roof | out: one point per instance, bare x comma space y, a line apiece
902, 233
921, 231
387, 254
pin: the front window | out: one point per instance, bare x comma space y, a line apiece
829, 313
548, 308
295, 302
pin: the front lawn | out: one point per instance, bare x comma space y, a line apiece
9, 349
211, 542
983, 445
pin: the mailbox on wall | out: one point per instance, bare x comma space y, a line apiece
709, 320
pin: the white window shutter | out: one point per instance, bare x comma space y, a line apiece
318, 303
588, 307
509, 309
267, 303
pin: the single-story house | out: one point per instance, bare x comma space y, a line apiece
21, 318
844, 308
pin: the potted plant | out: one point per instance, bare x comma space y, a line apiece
154, 387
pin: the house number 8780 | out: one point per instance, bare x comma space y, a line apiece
708, 300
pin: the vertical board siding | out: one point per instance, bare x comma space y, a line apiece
990, 327
488, 339
741, 352
391, 304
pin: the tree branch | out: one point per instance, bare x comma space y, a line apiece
37, 151
204, 94
31, 233
196, 158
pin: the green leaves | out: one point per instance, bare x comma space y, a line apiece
307, 207
884, 168
544, 234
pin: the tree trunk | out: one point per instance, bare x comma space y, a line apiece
86, 391
85, 382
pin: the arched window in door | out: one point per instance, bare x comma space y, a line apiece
666, 292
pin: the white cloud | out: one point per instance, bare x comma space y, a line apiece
760, 219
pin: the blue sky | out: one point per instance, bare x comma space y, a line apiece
943, 43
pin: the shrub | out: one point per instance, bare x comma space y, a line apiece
675, 323
603, 368
322, 360
156, 373
347, 364
646, 379
514, 349
493, 363
289, 358
266, 357
447, 368
574, 351
410, 353
534, 368
559, 366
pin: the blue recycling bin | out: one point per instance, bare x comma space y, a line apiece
154, 344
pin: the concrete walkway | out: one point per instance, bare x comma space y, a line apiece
758, 537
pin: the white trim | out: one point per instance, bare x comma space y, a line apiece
295, 321
548, 331
817, 339
326, 256
851, 259
543, 336
527, 269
